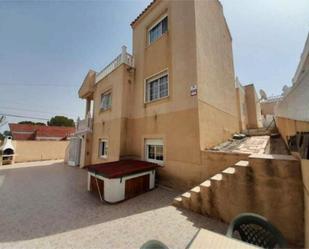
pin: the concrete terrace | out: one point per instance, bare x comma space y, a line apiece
248, 145
46, 205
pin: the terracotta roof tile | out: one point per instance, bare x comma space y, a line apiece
143, 12
32, 132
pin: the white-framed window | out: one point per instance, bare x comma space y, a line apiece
154, 150
103, 148
106, 100
156, 87
158, 29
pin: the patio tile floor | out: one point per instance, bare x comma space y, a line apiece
48, 206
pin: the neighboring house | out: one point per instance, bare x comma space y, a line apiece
268, 107
292, 112
249, 107
170, 100
40, 132
294, 104
292, 119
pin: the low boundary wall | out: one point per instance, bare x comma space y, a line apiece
213, 162
289, 127
26, 151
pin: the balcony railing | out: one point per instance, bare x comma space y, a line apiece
124, 57
276, 98
84, 125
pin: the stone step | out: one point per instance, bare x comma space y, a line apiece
205, 188
217, 177
196, 201
228, 173
244, 171
177, 202
186, 200
221, 196
242, 164
229, 170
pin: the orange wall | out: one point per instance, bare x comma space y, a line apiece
27, 151
181, 120
217, 100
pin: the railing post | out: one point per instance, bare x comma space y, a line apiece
123, 54
77, 123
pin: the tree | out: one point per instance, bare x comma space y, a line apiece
7, 133
26, 122
31, 123
40, 123
61, 121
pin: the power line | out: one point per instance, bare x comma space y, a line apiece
39, 85
23, 116
31, 110
4, 123
7, 99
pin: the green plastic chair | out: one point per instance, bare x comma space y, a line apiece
256, 230
154, 244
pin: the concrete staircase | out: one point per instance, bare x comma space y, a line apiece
269, 185
221, 196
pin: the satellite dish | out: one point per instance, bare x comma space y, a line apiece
285, 89
263, 95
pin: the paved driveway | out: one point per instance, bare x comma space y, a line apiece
48, 206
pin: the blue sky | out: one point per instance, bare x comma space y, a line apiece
47, 47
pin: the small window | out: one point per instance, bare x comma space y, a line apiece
158, 30
106, 101
154, 151
156, 88
103, 148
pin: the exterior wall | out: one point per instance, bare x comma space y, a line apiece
175, 118
27, 151
289, 127
305, 170
109, 124
174, 51
86, 149
185, 123
292, 115
253, 108
215, 161
277, 193
268, 112
268, 108
217, 100
181, 148
295, 104
242, 108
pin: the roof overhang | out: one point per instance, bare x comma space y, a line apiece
143, 13
87, 88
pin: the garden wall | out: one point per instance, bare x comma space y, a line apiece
26, 151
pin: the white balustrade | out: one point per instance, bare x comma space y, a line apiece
124, 57
84, 125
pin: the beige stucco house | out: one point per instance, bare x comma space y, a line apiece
249, 107
171, 99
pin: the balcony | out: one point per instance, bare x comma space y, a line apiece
84, 125
124, 57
